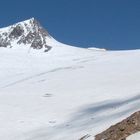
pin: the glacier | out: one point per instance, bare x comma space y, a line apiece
66, 92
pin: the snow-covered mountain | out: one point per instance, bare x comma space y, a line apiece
65, 93
28, 33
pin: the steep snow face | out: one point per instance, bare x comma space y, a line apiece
66, 93
28, 33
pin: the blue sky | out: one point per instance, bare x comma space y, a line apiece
111, 24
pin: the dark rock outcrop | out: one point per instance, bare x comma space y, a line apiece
16, 32
121, 130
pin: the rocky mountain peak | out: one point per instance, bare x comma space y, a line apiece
29, 33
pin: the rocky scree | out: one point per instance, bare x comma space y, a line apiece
121, 130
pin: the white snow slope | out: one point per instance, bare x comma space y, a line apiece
134, 137
66, 93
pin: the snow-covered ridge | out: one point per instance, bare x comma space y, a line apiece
96, 49
30, 34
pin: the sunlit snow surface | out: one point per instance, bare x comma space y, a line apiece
134, 137
66, 93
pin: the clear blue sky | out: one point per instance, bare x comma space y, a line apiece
111, 24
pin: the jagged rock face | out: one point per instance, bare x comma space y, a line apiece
16, 32
29, 32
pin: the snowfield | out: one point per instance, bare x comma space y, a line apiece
67, 92
134, 137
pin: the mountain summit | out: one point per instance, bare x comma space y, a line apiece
29, 33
